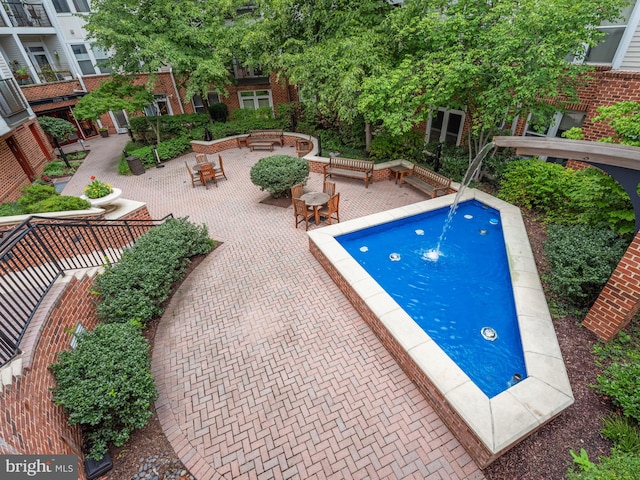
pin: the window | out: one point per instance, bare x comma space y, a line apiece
445, 126
101, 59
160, 107
79, 330
252, 100
83, 59
198, 103
81, 6
559, 124
61, 6
608, 46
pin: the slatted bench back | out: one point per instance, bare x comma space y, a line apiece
351, 164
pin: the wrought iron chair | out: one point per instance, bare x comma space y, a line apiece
302, 213
331, 211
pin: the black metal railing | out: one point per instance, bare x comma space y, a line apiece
39, 250
26, 14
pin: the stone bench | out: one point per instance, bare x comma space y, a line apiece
348, 167
426, 180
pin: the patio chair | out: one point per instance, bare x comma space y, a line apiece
193, 176
331, 211
201, 158
219, 169
206, 173
300, 210
329, 188
296, 191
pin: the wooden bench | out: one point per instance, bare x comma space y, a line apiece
426, 180
261, 145
275, 136
348, 167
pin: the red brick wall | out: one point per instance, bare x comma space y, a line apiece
13, 177
32, 423
619, 301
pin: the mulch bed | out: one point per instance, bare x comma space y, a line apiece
543, 455
283, 202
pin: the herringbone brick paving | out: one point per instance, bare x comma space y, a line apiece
264, 369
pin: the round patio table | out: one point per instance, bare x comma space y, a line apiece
315, 200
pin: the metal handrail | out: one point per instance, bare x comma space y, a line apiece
35, 253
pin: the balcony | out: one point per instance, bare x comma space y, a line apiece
249, 76
26, 14
13, 106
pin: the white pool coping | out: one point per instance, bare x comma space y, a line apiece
504, 420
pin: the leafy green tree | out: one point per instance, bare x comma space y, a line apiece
324, 47
193, 37
117, 93
59, 129
624, 118
494, 60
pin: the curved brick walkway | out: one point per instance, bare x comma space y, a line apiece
264, 369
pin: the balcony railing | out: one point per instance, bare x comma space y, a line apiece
26, 14
13, 106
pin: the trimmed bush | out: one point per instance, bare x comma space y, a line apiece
385, 147
105, 384
136, 286
34, 194
166, 150
278, 173
581, 260
59, 203
171, 126
219, 112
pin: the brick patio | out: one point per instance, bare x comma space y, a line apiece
264, 369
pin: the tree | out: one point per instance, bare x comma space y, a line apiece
494, 60
193, 37
624, 118
117, 93
324, 47
58, 129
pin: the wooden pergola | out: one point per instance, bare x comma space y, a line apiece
620, 161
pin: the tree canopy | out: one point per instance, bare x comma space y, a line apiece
494, 60
193, 37
118, 93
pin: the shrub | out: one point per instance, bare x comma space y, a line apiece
536, 185
621, 381
385, 147
136, 286
619, 466
581, 260
34, 194
105, 384
61, 203
57, 168
11, 208
166, 151
624, 433
219, 112
278, 173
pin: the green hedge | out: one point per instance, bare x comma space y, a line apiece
141, 281
40, 199
166, 151
105, 384
581, 260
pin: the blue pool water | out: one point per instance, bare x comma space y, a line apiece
454, 297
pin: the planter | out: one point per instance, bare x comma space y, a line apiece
106, 200
104, 133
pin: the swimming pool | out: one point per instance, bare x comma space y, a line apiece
485, 426
462, 298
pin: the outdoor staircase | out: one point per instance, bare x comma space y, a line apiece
24, 359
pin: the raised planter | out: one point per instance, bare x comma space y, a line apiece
106, 200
